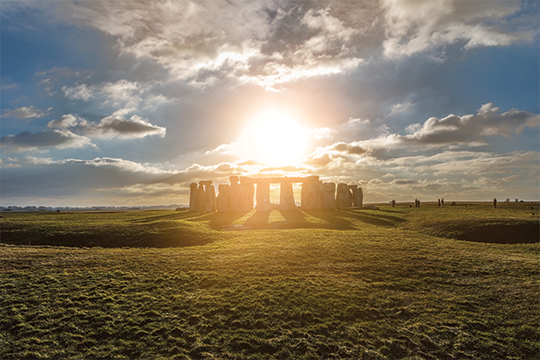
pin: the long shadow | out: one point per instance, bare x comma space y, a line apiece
184, 214
218, 219
332, 221
259, 220
374, 219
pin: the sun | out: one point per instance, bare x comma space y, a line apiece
274, 139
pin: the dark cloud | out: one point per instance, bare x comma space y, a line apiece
109, 127
45, 139
348, 148
321, 160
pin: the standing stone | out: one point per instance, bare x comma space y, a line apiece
286, 196
328, 196
311, 195
244, 195
201, 195
234, 192
360, 198
342, 196
353, 189
192, 196
244, 200
263, 196
224, 200
210, 198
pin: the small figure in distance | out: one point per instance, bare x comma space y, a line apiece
438, 202
393, 203
442, 202
494, 203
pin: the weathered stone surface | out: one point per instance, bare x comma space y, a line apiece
243, 201
238, 196
342, 196
286, 196
311, 195
360, 198
224, 200
353, 192
263, 197
192, 196
199, 201
210, 198
328, 196
246, 180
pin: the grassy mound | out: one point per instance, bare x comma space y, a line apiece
499, 231
108, 229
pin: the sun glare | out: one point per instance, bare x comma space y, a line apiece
274, 139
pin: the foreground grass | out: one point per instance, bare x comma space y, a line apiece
344, 284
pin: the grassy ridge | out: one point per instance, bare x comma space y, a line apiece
344, 284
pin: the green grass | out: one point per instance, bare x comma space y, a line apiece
301, 284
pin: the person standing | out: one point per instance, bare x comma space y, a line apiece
494, 203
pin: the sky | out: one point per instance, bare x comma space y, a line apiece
125, 102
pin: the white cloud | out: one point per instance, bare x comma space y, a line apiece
65, 121
414, 26
30, 112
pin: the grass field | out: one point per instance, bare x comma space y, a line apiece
425, 283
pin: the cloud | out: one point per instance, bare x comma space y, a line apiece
417, 26
60, 139
30, 112
65, 121
267, 43
110, 127
402, 182
123, 96
472, 128
50, 77
82, 179
348, 148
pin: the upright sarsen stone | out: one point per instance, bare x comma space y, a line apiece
224, 200
263, 196
192, 196
342, 196
201, 195
286, 196
353, 192
311, 195
210, 198
244, 195
328, 196
360, 198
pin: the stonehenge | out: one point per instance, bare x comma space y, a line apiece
238, 195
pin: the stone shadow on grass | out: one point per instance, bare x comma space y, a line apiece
259, 220
332, 219
372, 218
218, 219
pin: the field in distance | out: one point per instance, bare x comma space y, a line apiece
454, 282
